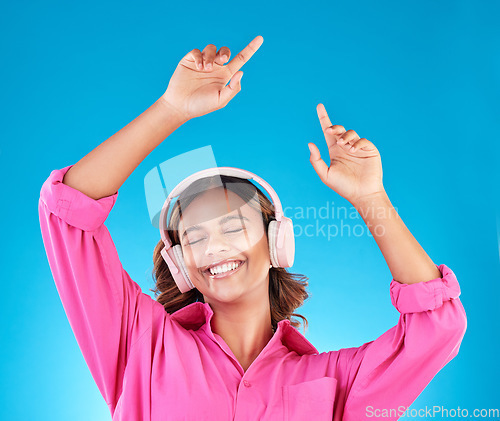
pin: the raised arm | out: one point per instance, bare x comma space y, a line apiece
107, 310
388, 374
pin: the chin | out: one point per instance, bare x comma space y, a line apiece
225, 297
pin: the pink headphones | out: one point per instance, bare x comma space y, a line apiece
280, 231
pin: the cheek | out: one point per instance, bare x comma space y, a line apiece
260, 251
254, 238
189, 257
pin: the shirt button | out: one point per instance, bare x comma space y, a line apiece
246, 383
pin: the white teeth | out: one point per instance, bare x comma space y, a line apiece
226, 267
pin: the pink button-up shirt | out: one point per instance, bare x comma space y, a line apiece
152, 365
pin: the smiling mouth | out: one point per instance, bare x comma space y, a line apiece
225, 274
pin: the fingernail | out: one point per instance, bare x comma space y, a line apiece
199, 66
352, 148
209, 66
224, 58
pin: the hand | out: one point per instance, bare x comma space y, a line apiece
354, 174
198, 85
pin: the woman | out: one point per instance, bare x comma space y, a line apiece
213, 354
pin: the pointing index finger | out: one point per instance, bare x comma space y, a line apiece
325, 124
244, 55
323, 117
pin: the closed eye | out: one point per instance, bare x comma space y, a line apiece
226, 232
189, 243
239, 229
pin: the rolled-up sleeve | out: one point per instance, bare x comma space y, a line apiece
383, 377
107, 311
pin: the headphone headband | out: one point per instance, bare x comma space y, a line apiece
229, 171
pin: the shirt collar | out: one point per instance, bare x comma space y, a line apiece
195, 315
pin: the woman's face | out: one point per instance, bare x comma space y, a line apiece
217, 227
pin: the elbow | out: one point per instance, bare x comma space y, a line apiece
459, 320
454, 343
453, 328
460, 329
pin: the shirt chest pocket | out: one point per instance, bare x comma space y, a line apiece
311, 400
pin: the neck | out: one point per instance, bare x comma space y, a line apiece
245, 329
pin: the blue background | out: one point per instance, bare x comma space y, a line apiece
418, 79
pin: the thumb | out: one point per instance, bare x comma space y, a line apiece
233, 87
318, 164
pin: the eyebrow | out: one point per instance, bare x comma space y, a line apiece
221, 222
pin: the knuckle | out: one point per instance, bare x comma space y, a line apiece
240, 56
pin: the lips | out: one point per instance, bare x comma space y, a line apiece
226, 274
221, 262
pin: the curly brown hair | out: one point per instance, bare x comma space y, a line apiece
287, 291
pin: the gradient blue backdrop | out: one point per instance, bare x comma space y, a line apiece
419, 79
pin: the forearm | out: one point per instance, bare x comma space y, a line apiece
407, 260
102, 171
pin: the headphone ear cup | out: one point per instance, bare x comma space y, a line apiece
175, 262
180, 263
272, 232
285, 243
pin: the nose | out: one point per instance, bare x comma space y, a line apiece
216, 243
